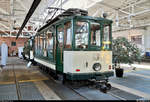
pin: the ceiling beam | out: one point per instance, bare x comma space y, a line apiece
29, 14
94, 2
22, 4
135, 14
4, 32
97, 12
134, 3
4, 26
3, 11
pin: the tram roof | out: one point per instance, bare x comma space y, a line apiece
73, 16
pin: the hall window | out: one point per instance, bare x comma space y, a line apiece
13, 43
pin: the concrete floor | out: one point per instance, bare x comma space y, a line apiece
136, 81
17, 82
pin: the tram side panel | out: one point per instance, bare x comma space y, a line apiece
45, 63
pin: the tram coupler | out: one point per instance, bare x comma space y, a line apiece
101, 85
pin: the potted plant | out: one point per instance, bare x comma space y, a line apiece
124, 52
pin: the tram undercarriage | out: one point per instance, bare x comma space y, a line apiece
100, 82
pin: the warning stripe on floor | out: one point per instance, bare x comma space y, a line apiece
131, 90
1, 83
30, 80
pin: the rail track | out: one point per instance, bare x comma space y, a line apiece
83, 97
17, 84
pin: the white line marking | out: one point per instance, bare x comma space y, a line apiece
137, 66
145, 76
116, 96
130, 90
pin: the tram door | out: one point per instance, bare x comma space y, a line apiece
59, 49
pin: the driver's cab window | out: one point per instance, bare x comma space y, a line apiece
106, 37
81, 35
95, 34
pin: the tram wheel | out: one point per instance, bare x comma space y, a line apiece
108, 86
64, 79
34, 63
103, 88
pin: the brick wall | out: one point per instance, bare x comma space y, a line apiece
9, 40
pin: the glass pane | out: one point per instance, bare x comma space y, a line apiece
81, 35
41, 43
95, 34
36, 43
50, 43
67, 35
106, 39
60, 34
44, 44
106, 33
30, 42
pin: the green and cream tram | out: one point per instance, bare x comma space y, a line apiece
29, 49
77, 47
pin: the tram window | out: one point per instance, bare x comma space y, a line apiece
44, 44
81, 35
31, 42
36, 43
106, 33
50, 44
39, 47
60, 36
41, 42
67, 35
95, 34
106, 37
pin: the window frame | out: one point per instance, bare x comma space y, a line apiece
96, 47
81, 20
110, 36
67, 34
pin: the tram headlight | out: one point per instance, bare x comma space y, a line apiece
97, 66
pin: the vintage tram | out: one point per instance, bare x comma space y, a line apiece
28, 49
75, 46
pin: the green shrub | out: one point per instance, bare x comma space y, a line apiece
125, 51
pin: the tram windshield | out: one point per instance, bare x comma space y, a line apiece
98, 39
106, 38
81, 34
95, 34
